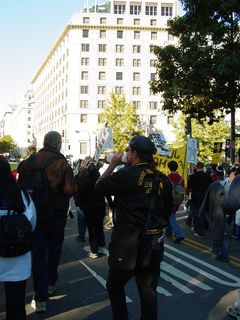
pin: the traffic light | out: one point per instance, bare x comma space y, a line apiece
69, 147
63, 133
188, 126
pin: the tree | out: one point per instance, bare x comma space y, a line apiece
122, 118
7, 144
200, 76
205, 134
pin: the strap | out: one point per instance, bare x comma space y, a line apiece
152, 201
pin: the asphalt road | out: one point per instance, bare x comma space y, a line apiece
193, 285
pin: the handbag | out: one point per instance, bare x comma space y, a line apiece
16, 234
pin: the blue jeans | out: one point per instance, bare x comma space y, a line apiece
48, 240
81, 223
175, 226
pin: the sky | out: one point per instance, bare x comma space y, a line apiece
28, 30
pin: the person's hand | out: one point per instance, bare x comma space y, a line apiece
117, 159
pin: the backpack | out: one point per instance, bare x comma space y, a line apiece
16, 234
178, 193
36, 183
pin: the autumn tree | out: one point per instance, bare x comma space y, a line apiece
200, 75
205, 134
122, 118
7, 144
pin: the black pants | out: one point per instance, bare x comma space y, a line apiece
15, 300
146, 280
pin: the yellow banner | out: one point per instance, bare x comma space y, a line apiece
176, 154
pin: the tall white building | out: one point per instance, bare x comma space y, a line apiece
105, 48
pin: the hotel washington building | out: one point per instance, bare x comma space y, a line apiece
105, 48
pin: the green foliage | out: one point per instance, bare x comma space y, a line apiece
122, 118
201, 74
7, 144
205, 134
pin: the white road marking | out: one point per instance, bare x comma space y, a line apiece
175, 283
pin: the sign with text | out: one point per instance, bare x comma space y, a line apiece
104, 142
192, 150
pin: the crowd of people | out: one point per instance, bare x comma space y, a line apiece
140, 201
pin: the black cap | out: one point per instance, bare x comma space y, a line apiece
144, 146
220, 169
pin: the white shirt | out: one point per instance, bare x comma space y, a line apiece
18, 268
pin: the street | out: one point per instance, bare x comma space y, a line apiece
193, 285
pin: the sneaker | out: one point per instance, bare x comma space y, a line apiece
233, 312
39, 306
101, 250
51, 290
93, 255
178, 240
198, 235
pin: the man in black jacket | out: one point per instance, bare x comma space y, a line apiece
130, 254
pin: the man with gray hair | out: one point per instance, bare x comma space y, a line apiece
49, 232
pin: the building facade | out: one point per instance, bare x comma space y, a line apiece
105, 48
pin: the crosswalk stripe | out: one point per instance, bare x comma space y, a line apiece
175, 283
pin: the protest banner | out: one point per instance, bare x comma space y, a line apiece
217, 152
192, 150
104, 142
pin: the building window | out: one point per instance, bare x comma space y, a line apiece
153, 62
102, 75
103, 33
153, 105
119, 75
151, 10
151, 47
153, 22
85, 19
83, 118
137, 104
119, 62
152, 76
136, 49
102, 48
119, 48
136, 22
103, 20
84, 89
170, 37
153, 119
136, 91
119, 21
170, 120
118, 90
166, 11
134, 9
101, 90
85, 33
119, 34
119, 9
102, 61
101, 104
136, 63
136, 76
85, 47
136, 34
83, 148
84, 61
84, 104
84, 75
153, 35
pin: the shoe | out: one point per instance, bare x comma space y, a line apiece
93, 255
222, 258
178, 240
51, 290
39, 306
80, 239
198, 235
233, 312
101, 250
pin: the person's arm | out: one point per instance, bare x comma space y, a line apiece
116, 161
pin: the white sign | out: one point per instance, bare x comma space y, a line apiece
105, 142
160, 143
192, 150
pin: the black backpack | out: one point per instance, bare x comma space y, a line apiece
16, 235
36, 183
166, 195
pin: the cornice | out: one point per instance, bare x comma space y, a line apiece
69, 27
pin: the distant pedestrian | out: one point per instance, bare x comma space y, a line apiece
49, 233
14, 271
174, 225
198, 184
